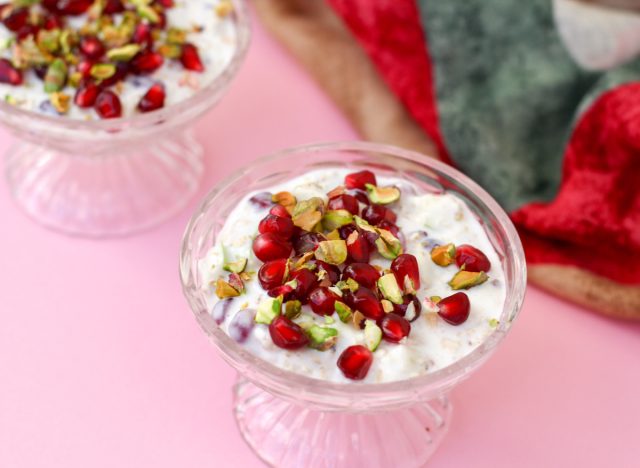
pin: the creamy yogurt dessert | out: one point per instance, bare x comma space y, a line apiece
89, 59
347, 276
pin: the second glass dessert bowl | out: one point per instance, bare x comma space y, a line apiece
292, 420
113, 177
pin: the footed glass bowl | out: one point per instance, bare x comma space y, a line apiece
291, 420
112, 177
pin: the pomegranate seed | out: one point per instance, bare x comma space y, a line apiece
307, 242
405, 269
357, 180
346, 230
26, 31
322, 301
472, 258
375, 214
153, 99
344, 202
113, 6
332, 272
147, 62
190, 58
282, 227
307, 281
395, 230
73, 7
91, 47
84, 67
358, 248
142, 34
86, 94
166, 3
108, 105
455, 308
162, 20
241, 325
395, 328
362, 273
269, 246
287, 334
366, 301
279, 210
9, 74
355, 361
220, 310
409, 309
16, 19
271, 274
122, 70
40, 71
284, 290
361, 196
52, 22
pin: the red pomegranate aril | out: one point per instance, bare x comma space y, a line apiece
358, 248
392, 228
147, 62
361, 196
355, 362
362, 273
366, 301
40, 71
279, 210
91, 47
86, 94
403, 309
405, 269
162, 20
307, 281
9, 74
190, 58
142, 34
108, 105
287, 334
52, 22
271, 274
282, 227
344, 202
322, 301
284, 290
332, 272
307, 242
84, 67
346, 230
16, 19
455, 308
153, 99
113, 6
73, 7
358, 180
122, 70
472, 258
395, 328
26, 31
375, 214
269, 246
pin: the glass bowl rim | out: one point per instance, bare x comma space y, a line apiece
243, 29
281, 380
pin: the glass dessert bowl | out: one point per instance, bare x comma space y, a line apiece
83, 175
291, 419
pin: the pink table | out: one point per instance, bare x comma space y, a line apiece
102, 364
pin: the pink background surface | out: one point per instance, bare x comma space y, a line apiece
102, 364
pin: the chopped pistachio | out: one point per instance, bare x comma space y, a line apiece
443, 255
124, 53
382, 195
224, 289
23, 3
493, 323
387, 306
372, 335
74, 79
467, 279
435, 299
388, 286
388, 245
302, 262
236, 282
61, 102
339, 190
333, 219
292, 309
328, 319
95, 10
358, 319
56, 76
364, 225
343, 310
103, 71
170, 51
236, 267
333, 235
268, 309
285, 199
349, 284
308, 213
27, 53
48, 40
321, 338
176, 36
333, 252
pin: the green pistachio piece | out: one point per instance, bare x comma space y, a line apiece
435, 299
333, 252
224, 289
358, 319
56, 76
102, 71
467, 279
170, 51
389, 288
67, 39
372, 335
382, 195
388, 245
322, 338
268, 309
387, 305
61, 102
349, 284
364, 225
333, 219
124, 53
176, 36
285, 199
343, 310
443, 255
308, 213
292, 309
27, 53
49, 40
236, 282
236, 267
24, 3
493, 323
146, 11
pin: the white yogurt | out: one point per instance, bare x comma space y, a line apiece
425, 220
216, 43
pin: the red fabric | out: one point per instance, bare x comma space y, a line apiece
594, 222
391, 33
